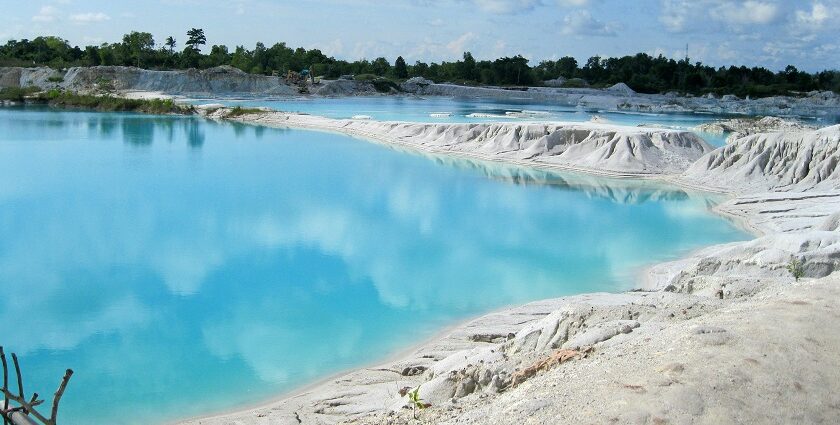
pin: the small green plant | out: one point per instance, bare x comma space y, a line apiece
796, 268
240, 111
416, 402
56, 79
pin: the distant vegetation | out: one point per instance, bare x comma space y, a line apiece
641, 72
17, 94
98, 102
110, 103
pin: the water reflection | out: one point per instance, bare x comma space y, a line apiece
186, 283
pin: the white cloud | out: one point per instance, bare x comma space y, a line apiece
84, 18
583, 23
46, 14
705, 15
748, 12
459, 45
816, 17
507, 6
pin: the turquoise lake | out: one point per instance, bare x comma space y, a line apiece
184, 267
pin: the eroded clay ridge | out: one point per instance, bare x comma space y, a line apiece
595, 148
781, 161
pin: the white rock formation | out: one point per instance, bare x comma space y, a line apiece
597, 148
740, 127
621, 88
795, 160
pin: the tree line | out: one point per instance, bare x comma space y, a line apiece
642, 72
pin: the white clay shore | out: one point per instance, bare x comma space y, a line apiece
725, 335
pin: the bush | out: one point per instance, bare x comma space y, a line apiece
17, 93
240, 111
796, 268
109, 103
366, 77
56, 79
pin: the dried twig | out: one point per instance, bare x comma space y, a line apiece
5, 385
60, 392
25, 411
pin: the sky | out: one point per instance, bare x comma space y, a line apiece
770, 33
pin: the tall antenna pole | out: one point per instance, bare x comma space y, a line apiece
686, 52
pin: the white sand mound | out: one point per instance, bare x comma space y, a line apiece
597, 148
622, 89
773, 161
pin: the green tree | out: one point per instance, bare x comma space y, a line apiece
380, 66
196, 39
567, 67
138, 45
467, 71
170, 43
400, 69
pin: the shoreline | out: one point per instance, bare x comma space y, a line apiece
744, 222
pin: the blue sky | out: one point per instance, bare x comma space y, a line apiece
771, 33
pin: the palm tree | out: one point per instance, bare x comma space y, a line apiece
170, 43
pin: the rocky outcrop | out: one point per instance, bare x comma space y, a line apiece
789, 161
344, 87
219, 81
741, 127
597, 148
415, 84
621, 88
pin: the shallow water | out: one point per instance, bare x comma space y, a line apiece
415, 109
182, 266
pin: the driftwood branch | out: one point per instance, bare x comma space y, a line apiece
60, 392
19, 377
25, 412
5, 385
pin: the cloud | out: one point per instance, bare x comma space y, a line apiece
84, 18
507, 6
704, 15
816, 17
583, 23
46, 14
459, 45
748, 12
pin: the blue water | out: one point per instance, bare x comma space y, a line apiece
183, 267
416, 109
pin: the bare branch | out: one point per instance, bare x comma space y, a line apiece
59, 393
24, 412
5, 385
27, 407
19, 377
